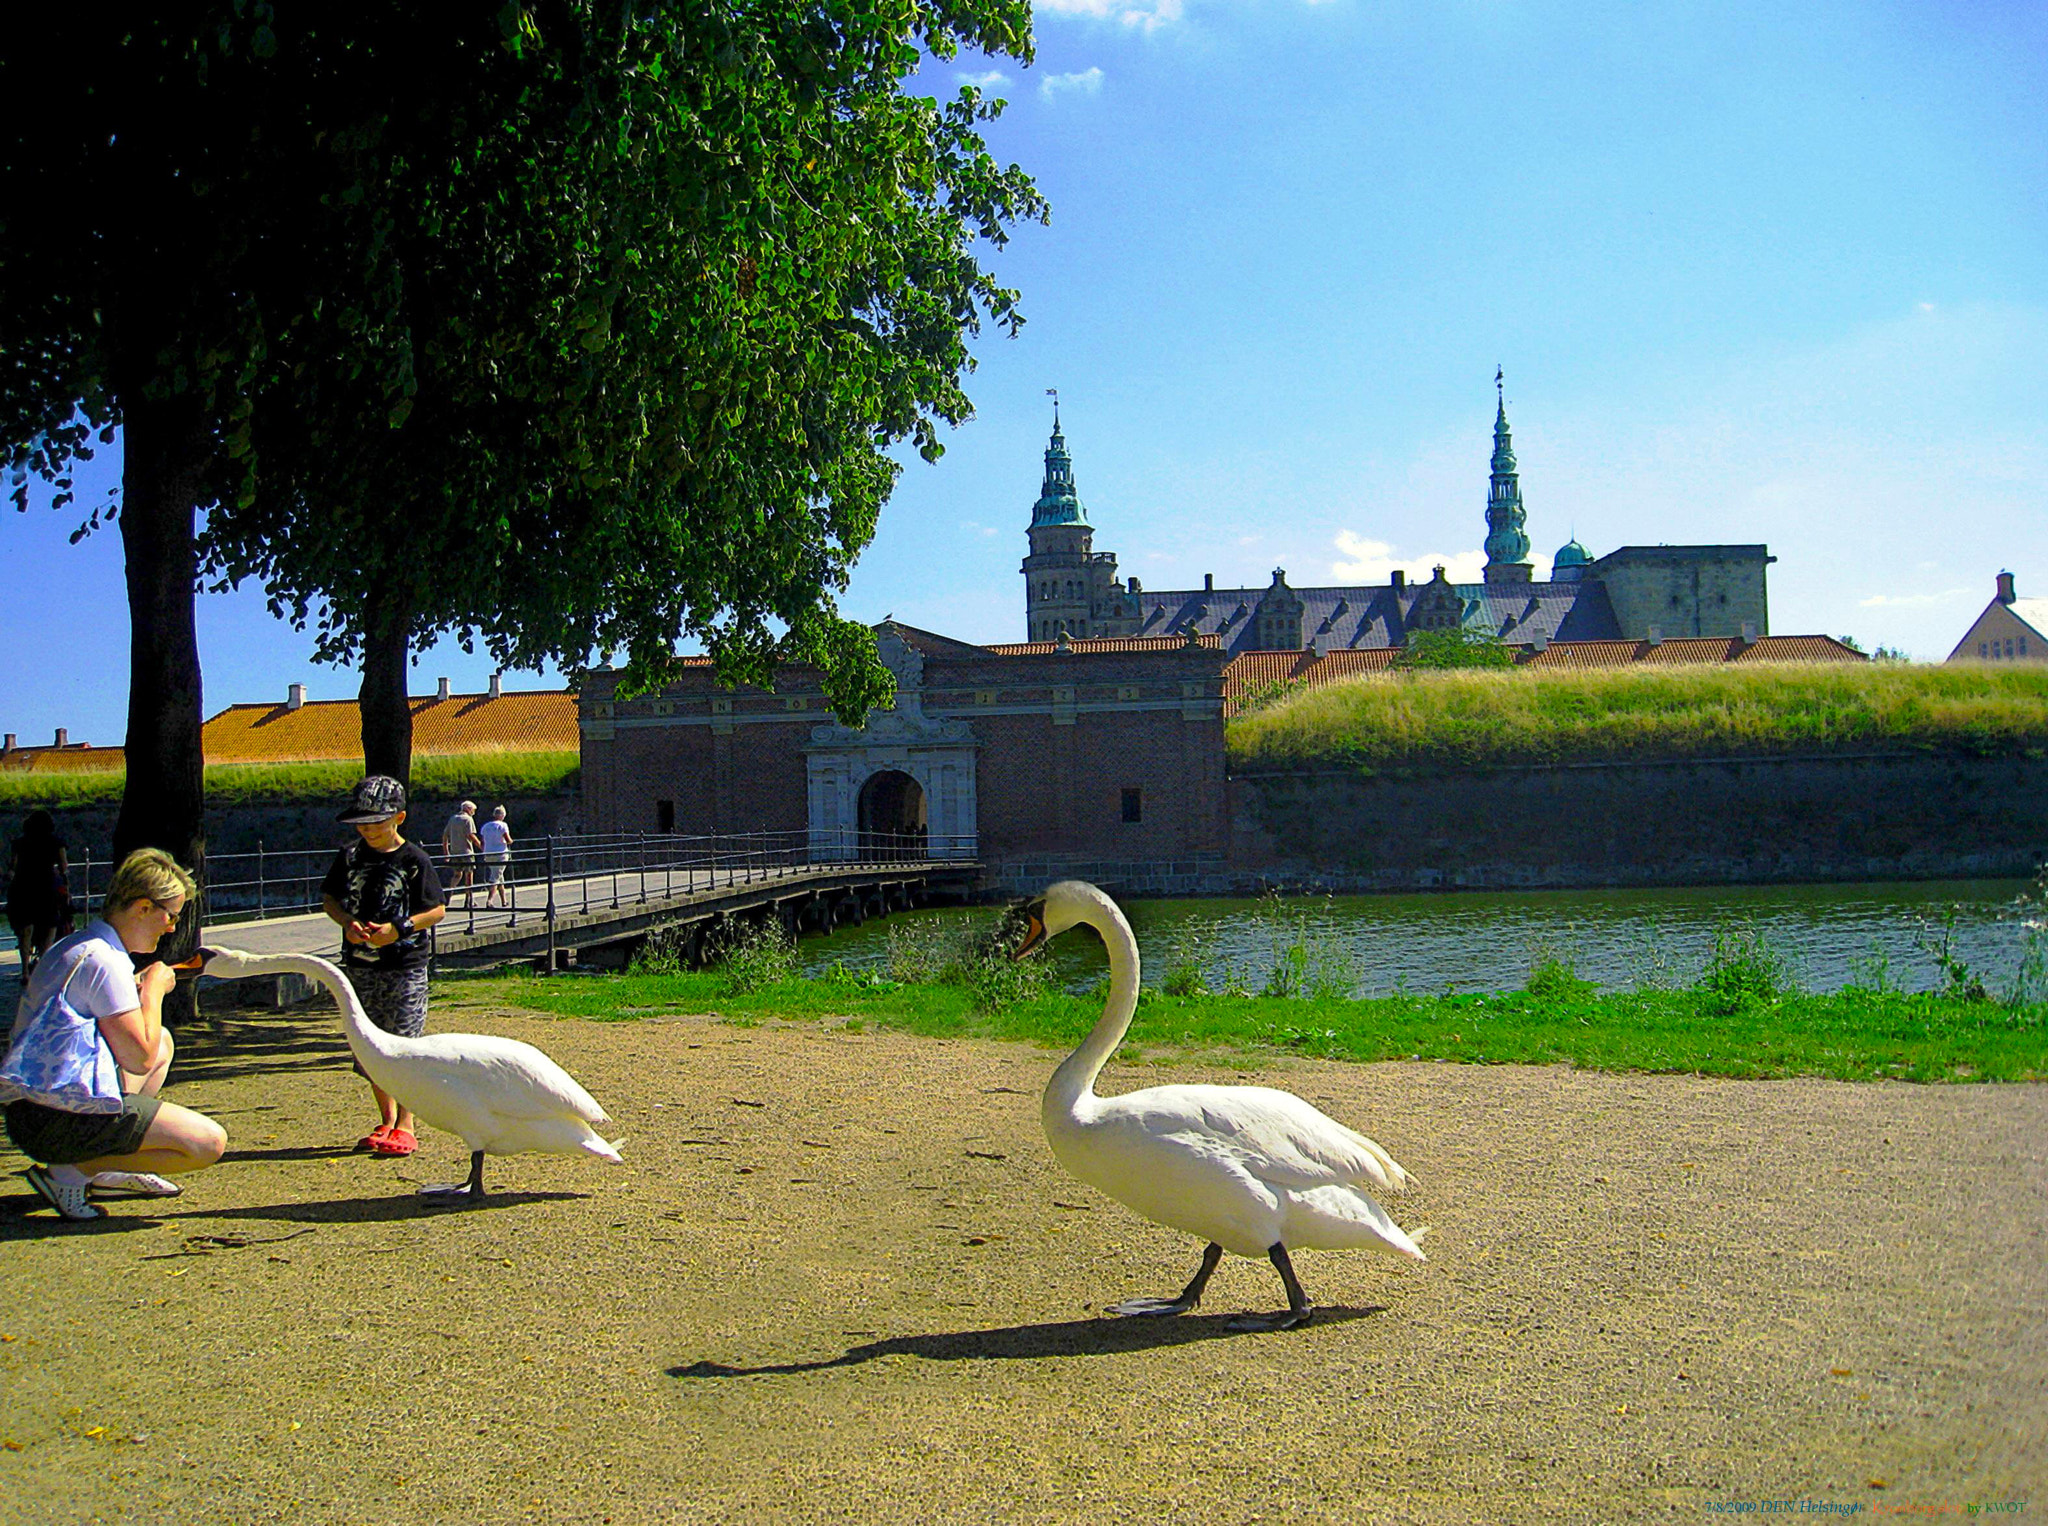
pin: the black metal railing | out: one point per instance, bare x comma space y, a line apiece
549, 876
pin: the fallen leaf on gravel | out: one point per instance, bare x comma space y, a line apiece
1840, 1372
11, 1444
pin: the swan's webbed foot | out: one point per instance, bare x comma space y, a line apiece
1190, 1296
1142, 1308
1299, 1310
471, 1192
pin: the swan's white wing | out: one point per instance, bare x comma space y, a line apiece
1277, 1137
514, 1079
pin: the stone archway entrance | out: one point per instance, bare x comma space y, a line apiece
892, 817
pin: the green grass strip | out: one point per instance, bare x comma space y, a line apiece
1467, 719
1844, 1035
485, 775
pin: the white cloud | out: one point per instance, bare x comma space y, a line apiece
1087, 82
1145, 15
1908, 600
991, 80
1373, 561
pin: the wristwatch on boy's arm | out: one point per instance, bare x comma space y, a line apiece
403, 927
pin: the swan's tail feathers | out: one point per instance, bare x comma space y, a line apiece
1342, 1216
605, 1149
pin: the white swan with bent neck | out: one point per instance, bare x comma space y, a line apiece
503, 1097
1251, 1170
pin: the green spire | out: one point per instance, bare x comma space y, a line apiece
1506, 545
1058, 503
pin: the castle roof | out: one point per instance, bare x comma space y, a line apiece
1374, 617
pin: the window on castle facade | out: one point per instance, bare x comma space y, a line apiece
1134, 805
664, 816
1983, 649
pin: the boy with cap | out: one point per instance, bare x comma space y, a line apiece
385, 894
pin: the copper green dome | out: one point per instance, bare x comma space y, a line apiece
1570, 563
1058, 502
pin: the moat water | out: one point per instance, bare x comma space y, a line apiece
1828, 935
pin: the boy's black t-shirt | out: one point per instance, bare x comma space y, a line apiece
382, 887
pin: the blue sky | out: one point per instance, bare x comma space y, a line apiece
1756, 273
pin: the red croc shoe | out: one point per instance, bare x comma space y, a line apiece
373, 1140
396, 1142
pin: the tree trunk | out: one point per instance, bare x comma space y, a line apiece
386, 710
166, 448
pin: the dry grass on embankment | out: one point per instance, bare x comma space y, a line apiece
1467, 718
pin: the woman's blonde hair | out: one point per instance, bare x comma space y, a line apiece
147, 874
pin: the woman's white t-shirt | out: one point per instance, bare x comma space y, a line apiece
496, 835
101, 975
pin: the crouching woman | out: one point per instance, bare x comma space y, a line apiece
89, 1053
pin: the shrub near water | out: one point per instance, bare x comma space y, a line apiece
1545, 716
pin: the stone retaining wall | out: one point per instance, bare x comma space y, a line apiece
1746, 820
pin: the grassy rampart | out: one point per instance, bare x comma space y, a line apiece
1466, 719
497, 775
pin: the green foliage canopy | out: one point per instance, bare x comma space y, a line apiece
650, 312
1454, 648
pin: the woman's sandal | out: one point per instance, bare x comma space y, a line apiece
67, 1198
372, 1141
396, 1142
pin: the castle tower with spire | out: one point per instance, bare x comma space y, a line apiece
1633, 593
1507, 546
1069, 587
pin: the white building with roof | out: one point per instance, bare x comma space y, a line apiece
2011, 629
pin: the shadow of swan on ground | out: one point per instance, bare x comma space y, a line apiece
363, 1210
1076, 1337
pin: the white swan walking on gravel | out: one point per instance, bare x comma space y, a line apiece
503, 1097
1251, 1170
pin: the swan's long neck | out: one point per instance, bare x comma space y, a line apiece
362, 1033
1075, 1079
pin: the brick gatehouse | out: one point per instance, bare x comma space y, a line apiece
1102, 758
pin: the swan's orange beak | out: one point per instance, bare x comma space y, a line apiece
1034, 930
191, 968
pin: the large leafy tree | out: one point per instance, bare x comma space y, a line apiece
568, 326
644, 389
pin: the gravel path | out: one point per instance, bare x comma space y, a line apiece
841, 1279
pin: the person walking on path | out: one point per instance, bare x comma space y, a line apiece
460, 842
496, 837
107, 1131
385, 894
38, 889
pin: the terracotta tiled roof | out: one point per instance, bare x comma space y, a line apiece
1688, 651
1253, 670
541, 720
1099, 644
76, 758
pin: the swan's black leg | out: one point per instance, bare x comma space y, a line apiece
471, 1192
1299, 1310
1189, 1295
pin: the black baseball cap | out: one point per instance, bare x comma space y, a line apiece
377, 798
